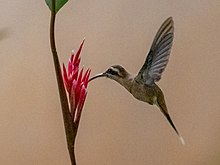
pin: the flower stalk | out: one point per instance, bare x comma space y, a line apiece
77, 91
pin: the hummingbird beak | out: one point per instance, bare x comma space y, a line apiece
98, 75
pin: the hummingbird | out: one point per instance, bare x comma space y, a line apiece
142, 86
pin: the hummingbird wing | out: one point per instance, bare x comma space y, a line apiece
158, 55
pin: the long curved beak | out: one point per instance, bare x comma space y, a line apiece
98, 75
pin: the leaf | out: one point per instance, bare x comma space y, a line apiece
58, 6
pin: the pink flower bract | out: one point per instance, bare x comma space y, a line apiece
76, 84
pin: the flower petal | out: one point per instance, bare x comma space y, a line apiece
78, 86
78, 53
66, 79
81, 103
80, 76
72, 56
86, 77
72, 99
65, 74
75, 73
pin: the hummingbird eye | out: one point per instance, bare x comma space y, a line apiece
112, 72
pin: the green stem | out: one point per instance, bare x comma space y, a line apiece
70, 129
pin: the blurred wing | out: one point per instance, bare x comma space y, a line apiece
158, 56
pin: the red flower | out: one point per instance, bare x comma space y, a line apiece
76, 84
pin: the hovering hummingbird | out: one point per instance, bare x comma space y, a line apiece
143, 86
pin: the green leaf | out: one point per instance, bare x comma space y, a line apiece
58, 6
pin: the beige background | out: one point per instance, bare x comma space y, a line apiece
115, 129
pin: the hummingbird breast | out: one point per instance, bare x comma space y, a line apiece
144, 92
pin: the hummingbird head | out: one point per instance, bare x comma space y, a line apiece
115, 72
119, 74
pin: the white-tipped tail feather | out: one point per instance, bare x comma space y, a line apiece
182, 140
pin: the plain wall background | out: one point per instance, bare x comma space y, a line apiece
115, 128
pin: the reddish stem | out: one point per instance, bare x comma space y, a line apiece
70, 128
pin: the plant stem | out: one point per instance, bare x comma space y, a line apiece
70, 129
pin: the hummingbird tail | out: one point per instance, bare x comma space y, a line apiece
174, 127
163, 109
